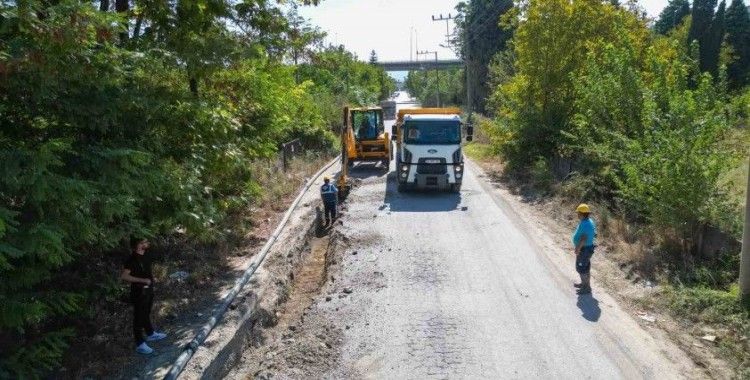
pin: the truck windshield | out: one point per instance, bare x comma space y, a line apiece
428, 132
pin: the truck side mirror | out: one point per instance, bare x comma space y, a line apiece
393, 131
469, 133
469, 137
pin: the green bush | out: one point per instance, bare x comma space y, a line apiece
707, 305
429, 86
103, 137
541, 175
652, 136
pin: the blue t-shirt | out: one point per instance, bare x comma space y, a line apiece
585, 227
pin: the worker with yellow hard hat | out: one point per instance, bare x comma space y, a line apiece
329, 195
583, 241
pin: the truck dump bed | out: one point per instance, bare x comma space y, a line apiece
427, 111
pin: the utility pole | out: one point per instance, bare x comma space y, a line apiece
745, 258
416, 43
411, 44
447, 25
467, 73
447, 42
437, 74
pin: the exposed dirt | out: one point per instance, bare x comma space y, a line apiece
315, 334
612, 269
302, 344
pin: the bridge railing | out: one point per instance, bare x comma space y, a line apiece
420, 65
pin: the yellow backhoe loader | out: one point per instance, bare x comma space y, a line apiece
363, 139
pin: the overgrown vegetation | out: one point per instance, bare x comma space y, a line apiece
433, 88
592, 102
145, 120
480, 36
630, 109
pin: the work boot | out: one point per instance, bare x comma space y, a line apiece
156, 336
144, 349
577, 285
584, 290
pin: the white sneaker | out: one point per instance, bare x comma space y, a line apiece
156, 336
144, 349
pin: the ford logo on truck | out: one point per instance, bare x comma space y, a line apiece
432, 151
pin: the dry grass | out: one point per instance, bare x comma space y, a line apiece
685, 290
277, 184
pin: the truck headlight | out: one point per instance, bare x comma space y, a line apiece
403, 174
404, 168
458, 175
459, 168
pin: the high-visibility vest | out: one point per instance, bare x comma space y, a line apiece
328, 189
328, 192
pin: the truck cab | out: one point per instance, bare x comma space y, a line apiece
428, 149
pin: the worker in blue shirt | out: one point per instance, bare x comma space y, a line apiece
329, 195
583, 241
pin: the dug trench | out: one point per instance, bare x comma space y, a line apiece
293, 269
299, 342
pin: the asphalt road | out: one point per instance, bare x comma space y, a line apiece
455, 286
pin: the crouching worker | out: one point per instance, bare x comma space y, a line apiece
329, 194
583, 241
137, 271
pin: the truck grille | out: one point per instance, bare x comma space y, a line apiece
425, 168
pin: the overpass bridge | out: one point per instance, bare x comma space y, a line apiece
420, 65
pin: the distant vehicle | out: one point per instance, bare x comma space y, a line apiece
389, 109
428, 148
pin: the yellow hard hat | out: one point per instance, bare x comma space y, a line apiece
583, 208
326, 178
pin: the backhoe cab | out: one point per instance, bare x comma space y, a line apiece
363, 139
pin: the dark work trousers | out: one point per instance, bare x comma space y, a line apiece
330, 211
142, 302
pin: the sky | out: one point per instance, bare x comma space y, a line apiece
386, 25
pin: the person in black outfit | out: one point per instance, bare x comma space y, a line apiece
137, 271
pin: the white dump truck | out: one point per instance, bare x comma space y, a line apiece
428, 148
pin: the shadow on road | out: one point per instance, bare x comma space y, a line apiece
418, 201
363, 170
589, 307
